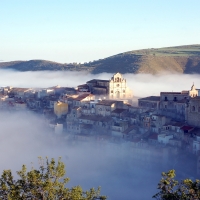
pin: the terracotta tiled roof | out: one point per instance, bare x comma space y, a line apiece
187, 128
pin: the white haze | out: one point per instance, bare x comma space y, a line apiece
141, 84
24, 137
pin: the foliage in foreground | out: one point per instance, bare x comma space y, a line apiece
47, 183
171, 189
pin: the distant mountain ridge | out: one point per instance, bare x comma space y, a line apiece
179, 59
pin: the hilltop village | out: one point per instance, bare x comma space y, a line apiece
103, 110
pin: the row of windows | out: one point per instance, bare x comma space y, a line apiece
175, 98
194, 109
112, 91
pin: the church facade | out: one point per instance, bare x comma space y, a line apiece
115, 88
118, 88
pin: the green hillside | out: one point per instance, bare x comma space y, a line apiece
179, 59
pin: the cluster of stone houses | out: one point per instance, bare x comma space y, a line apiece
173, 118
102, 110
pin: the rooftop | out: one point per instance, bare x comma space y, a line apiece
187, 128
19, 89
83, 85
106, 102
95, 80
170, 93
178, 124
83, 96
151, 98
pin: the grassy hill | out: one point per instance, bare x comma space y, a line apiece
180, 59
41, 65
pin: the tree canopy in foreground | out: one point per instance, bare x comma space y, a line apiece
171, 189
46, 183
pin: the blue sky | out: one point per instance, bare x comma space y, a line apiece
86, 30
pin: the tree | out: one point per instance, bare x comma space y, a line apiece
171, 189
47, 183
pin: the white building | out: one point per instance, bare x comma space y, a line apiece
164, 138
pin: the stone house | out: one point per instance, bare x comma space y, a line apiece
196, 141
74, 114
152, 102
193, 112
19, 92
130, 132
164, 138
132, 118
60, 108
157, 122
119, 112
97, 121
118, 127
73, 127
105, 107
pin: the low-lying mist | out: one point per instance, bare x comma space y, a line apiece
141, 84
24, 137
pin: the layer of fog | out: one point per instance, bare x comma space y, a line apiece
141, 84
24, 137
114, 167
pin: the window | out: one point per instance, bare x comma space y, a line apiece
117, 85
111, 91
123, 91
198, 109
193, 108
165, 98
175, 98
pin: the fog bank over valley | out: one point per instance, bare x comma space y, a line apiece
141, 84
111, 166
117, 168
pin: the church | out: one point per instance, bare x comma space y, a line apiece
115, 88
